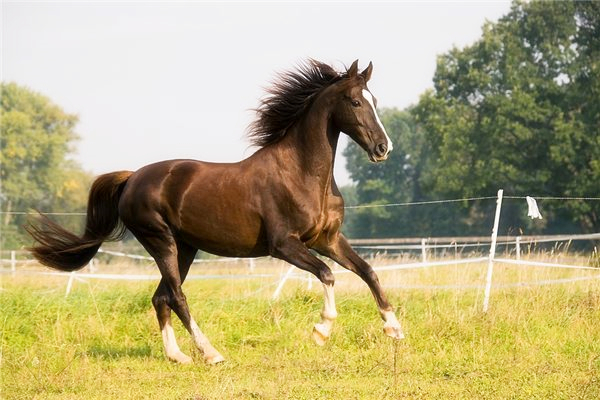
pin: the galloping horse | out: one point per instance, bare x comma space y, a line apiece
282, 201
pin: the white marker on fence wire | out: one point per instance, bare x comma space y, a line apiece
490, 270
532, 208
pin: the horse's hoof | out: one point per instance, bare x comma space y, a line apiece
393, 332
214, 359
181, 358
319, 336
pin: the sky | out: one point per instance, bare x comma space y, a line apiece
155, 80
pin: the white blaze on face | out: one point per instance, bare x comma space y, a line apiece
369, 97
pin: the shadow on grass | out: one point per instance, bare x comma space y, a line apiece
112, 352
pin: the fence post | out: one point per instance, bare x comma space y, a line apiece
70, 284
490, 270
13, 262
518, 247
282, 282
92, 266
423, 250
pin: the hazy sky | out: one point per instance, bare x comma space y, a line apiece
158, 80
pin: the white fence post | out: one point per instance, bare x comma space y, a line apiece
282, 282
251, 264
423, 250
490, 270
70, 284
92, 266
13, 262
518, 247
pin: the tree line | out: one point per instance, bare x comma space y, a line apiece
36, 172
519, 109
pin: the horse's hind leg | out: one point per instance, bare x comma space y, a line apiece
174, 261
185, 257
160, 301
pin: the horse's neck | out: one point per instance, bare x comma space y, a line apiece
311, 145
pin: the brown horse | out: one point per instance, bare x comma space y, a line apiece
281, 201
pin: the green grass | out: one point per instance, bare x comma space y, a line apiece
103, 342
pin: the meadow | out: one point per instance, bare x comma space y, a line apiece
103, 342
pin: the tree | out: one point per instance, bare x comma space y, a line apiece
35, 172
395, 181
517, 110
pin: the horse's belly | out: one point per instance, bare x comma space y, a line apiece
227, 245
225, 234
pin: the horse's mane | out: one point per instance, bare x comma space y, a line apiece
288, 98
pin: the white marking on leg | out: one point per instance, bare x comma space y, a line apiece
171, 347
211, 355
391, 326
322, 330
369, 97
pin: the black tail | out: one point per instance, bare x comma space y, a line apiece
60, 249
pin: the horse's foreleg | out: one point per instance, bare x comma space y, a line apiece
322, 330
341, 252
295, 252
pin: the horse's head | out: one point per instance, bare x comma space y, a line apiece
355, 114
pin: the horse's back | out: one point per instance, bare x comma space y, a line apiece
208, 205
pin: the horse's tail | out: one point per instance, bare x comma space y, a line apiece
60, 249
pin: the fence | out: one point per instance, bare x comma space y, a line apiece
491, 259
423, 245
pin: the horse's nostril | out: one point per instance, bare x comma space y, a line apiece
381, 149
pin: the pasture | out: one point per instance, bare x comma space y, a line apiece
103, 342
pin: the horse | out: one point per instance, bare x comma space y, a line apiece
282, 201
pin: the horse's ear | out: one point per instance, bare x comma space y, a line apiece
353, 70
367, 72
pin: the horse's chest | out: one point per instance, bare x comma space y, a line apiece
323, 224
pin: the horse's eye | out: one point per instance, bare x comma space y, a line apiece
355, 103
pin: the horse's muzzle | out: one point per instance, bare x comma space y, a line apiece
379, 153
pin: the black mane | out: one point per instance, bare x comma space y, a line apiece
287, 100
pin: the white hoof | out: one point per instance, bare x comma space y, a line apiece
180, 358
391, 327
214, 359
320, 334
393, 331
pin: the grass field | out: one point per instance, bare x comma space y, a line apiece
103, 342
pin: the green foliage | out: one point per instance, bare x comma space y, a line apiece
395, 181
36, 139
516, 110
